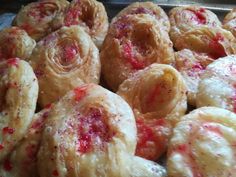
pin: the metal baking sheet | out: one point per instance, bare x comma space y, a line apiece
8, 8
219, 7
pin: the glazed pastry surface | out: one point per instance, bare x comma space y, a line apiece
216, 42
15, 42
18, 96
191, 66
157, 96
229, 22
218, 84
183, 19
88, 14
64, 60
91, 132
36, 17
133, 43
203, 144
22, 162
149, 8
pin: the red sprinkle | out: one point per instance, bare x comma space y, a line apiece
39, 73
48, 106
7, 166
129, 55
212, 128
80, 92
13, 62
182, 148
200, 18
92, 128
55, 173
1, 147
38, 124
7, 130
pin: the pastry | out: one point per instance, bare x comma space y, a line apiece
149, 8
191, 66
229, 22
183, 19
157, 96
88, 14
215, 42
218, 84
36, 17
22, 162
64, 60
91, 132
133, 42
15, 42
18, 96
203, 144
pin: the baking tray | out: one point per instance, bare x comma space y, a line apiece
219, 7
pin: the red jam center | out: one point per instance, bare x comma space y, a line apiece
93, 131
42, 10
129, 55
218, 49
199, 16
72, 15
152, 141
67, 52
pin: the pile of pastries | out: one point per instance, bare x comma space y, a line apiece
80, 97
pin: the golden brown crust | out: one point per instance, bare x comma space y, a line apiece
157, 96
64, 60
90, 132
133, 42
15, 42
36, 17
18, 96
88, 14
229, 22
191, 66
149, 8
203, 144
183, 19
216, 42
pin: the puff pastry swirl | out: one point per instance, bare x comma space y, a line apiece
133, 42
18, 97
157, 96
64, 60
36, 17
91, 132
15, 42
203, 144
218, 84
